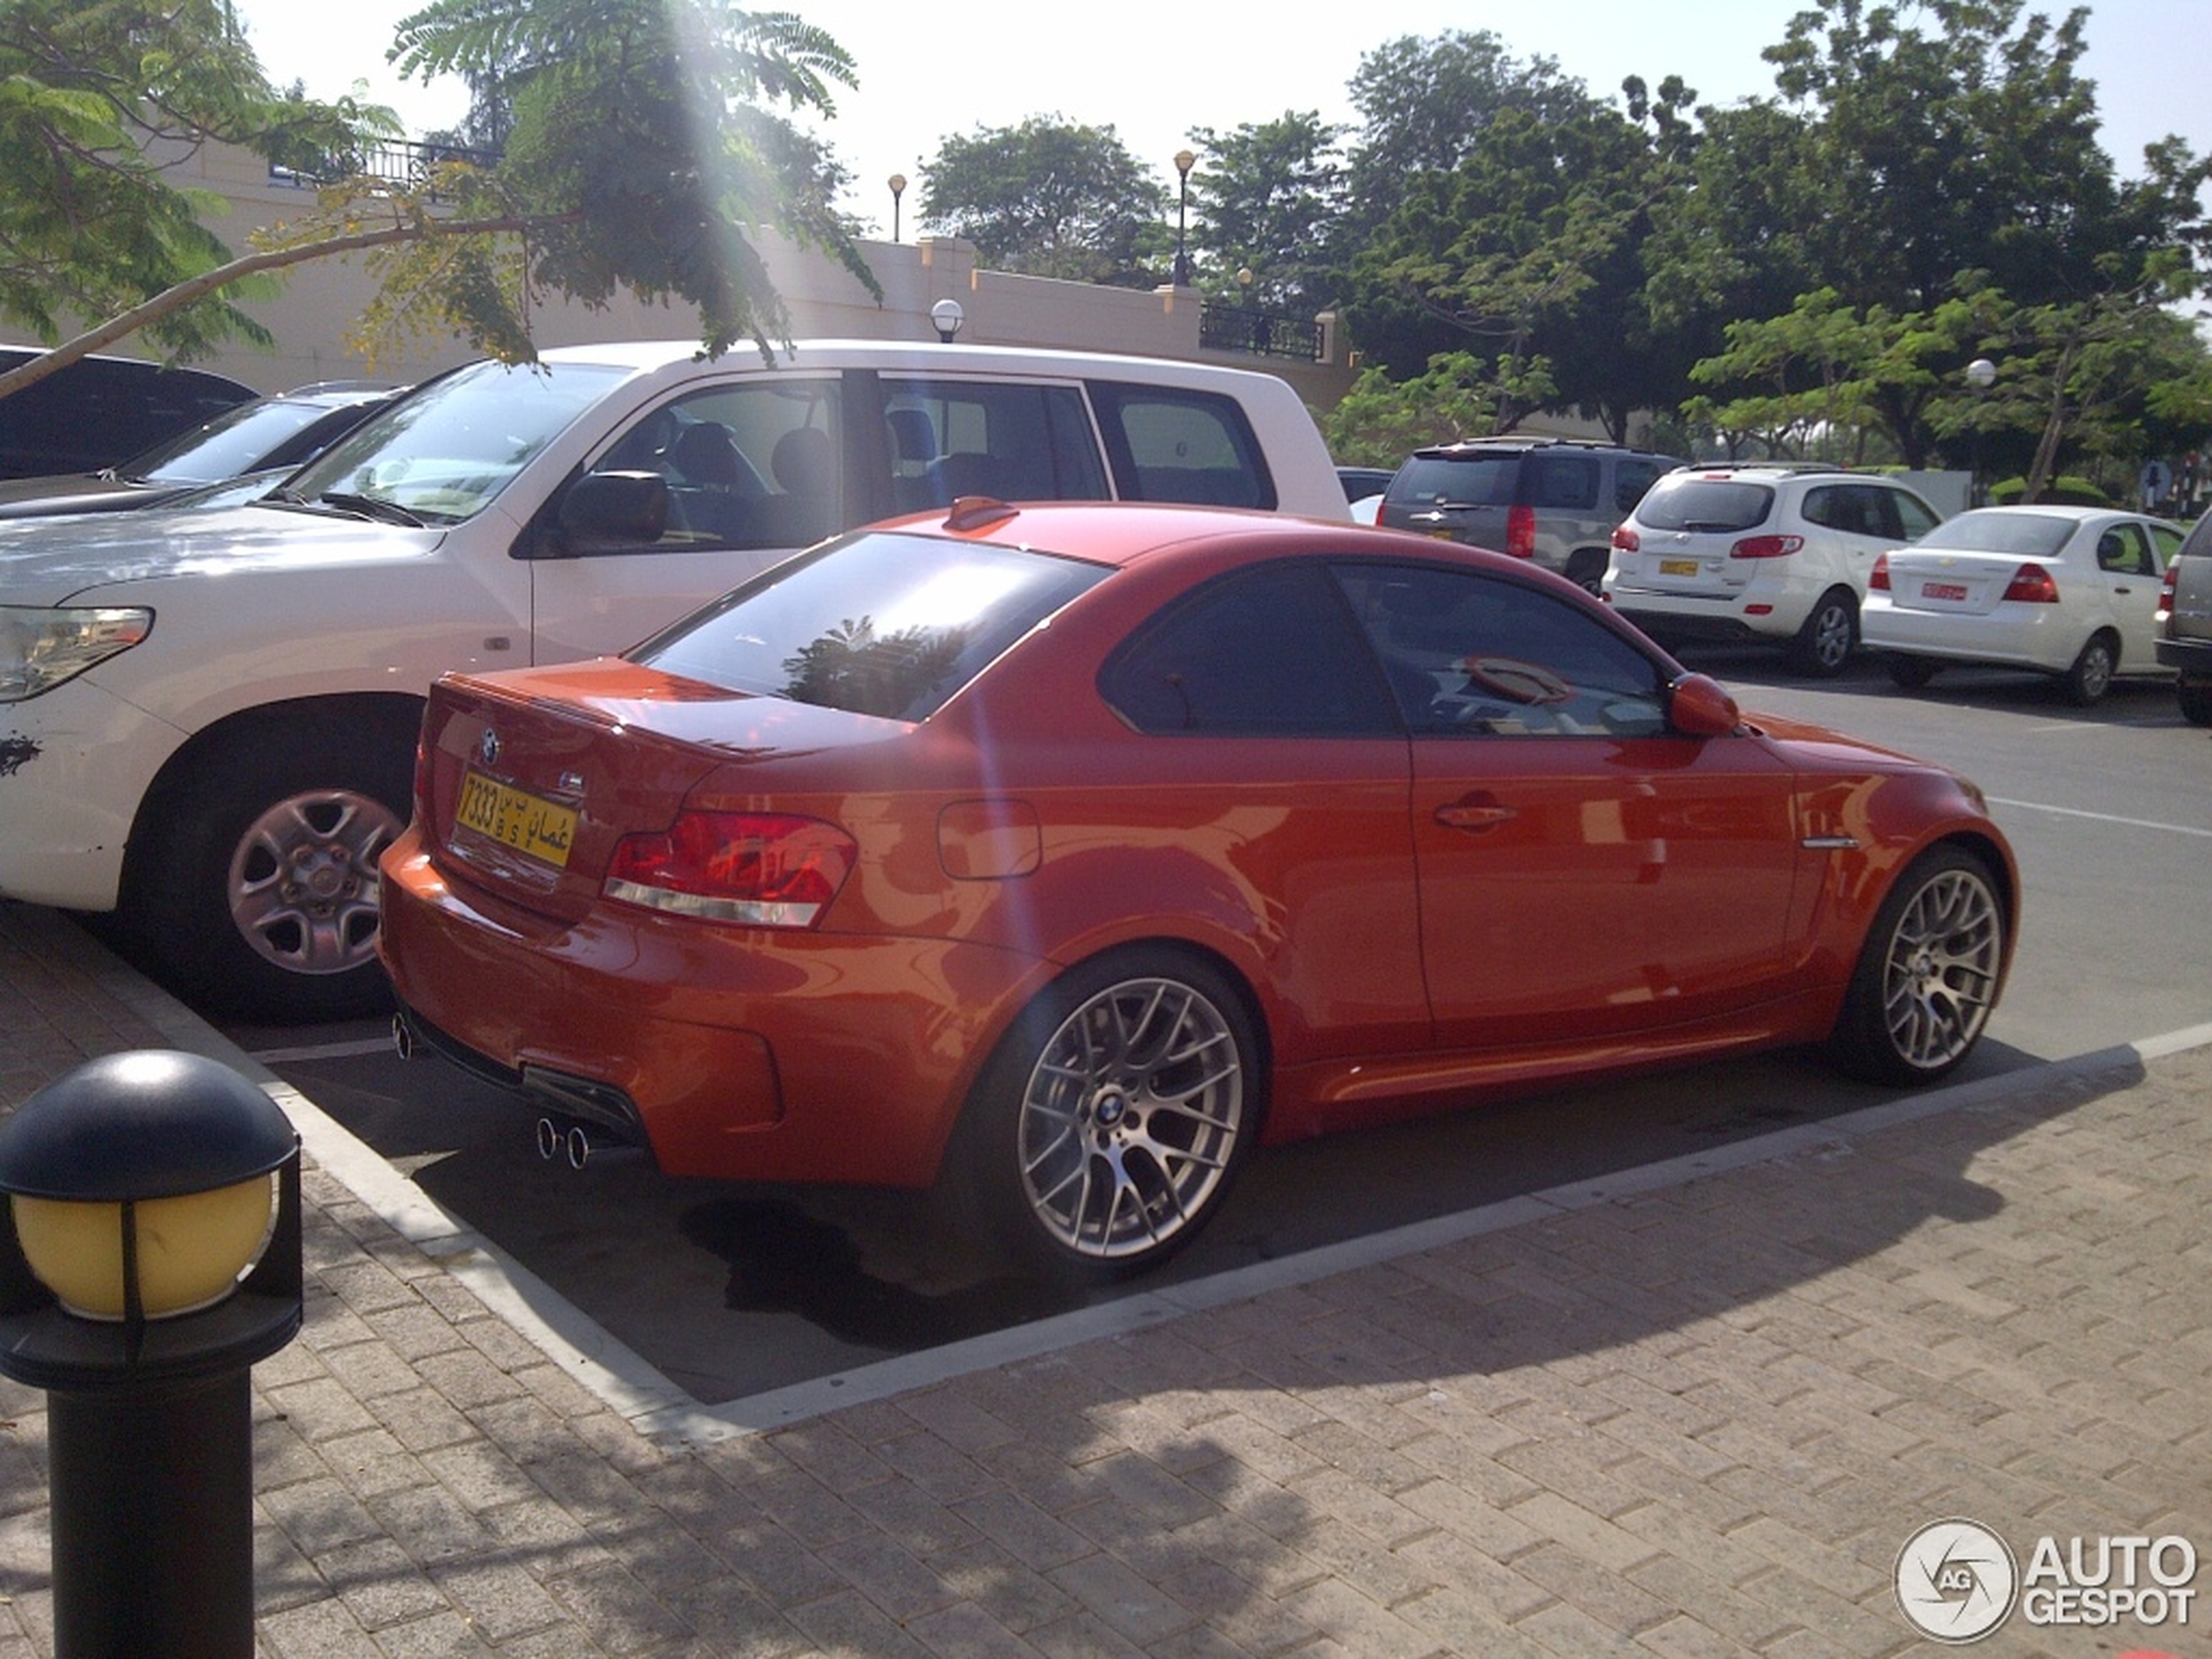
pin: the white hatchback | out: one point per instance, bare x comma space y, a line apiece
1771, 552
2067, 592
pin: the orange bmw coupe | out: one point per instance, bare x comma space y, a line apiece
1067, 853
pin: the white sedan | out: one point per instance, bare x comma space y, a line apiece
2069, 591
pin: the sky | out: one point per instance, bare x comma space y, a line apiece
925, 76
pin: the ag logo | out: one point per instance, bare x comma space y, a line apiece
1956, 1581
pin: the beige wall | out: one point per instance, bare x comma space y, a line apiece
323, 299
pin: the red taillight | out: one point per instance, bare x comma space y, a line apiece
1766, 547
757, 869
2166, 589
2032, 585
1877, 579
1627, 541
1520, 532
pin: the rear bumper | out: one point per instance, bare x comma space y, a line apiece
2193, 657
734, 1053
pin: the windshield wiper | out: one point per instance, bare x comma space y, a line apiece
376, 507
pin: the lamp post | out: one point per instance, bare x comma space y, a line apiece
1981, 374
946, 317
1183, 162
150, 1255
897, 189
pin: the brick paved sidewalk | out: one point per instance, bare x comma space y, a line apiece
1701, 1420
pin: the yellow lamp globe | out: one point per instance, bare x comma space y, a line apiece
191, 1249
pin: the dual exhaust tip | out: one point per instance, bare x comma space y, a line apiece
556, 1141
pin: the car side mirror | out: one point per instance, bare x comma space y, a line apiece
1698, 706
605, 510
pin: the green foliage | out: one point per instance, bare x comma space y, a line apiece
640, 154
1382, 420
1266, 196
89, 94
1050, 198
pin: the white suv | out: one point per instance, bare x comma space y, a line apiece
1769, 552
208, 718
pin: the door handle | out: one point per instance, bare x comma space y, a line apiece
1475, 815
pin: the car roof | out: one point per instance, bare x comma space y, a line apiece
666, 355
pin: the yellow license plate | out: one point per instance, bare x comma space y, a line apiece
516, 817
1678, 567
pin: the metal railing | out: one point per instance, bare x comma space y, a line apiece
1261, 334
404, 162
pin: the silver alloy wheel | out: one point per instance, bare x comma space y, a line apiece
303, 886
1939, 977
1130, 1117
1829, 648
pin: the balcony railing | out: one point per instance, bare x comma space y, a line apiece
1261, 334
404, 162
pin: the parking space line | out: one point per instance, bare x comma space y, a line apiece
2104, 818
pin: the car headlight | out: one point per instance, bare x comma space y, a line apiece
41, 647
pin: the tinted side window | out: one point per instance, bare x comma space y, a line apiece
1914, 519
1004, 439
1266, 652
1171, 445
1566, 483
1471, 655
1632, 480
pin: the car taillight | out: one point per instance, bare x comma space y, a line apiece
2032, 585
1877, 579
1520, 532
756, 869
1766, 547
2166, 591
1627, 541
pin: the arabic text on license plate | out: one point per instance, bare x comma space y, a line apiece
1952, 590
514, 818
1678, 567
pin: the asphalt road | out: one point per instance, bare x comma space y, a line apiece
731, 1293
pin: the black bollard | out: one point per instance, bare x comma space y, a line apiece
138, 1284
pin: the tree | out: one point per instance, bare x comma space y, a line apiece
637, 159
94, 100
1050, 198
1267, 194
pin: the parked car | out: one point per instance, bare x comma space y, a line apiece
2072, 592
1072, 851
268, 434
1554, 501
222, 780
1360, 482
100, 411
1769, 553
2184, 642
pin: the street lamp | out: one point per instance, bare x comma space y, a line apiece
149, 1255
897, 189
1183, 162
946, 317
1981, 374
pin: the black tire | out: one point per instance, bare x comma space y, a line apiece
2090, 678
1585, 567
1927, 974
252, 883
2196, 702
1112, 1120
1823, 647
1911, 673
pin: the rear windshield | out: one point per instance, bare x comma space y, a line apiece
885, 624
1715, 505
1471, 481
2029, 536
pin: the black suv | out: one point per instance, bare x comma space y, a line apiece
1552, 500
102, 410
